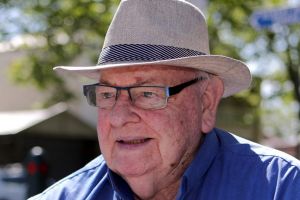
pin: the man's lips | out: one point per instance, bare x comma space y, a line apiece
133, 141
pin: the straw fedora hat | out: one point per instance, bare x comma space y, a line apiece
163, 32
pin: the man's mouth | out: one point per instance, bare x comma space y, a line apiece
134, 141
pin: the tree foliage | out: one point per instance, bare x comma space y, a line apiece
66, 29
231, 34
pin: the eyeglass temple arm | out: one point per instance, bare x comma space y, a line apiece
176, 89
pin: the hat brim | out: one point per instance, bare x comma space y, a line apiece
234, 73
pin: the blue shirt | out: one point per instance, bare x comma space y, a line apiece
226, 167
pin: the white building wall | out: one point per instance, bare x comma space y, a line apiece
26, 97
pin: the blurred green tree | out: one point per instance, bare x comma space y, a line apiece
232, 35
63, 29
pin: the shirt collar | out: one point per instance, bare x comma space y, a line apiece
201, 163
120, 186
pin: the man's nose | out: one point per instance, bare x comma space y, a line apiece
123, 111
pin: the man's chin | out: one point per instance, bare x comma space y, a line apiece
132, 171
133, 164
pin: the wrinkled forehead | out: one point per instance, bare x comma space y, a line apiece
148, 74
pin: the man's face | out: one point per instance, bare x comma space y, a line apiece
155, 143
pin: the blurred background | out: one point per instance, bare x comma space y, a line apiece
47, 130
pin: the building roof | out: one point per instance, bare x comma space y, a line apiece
14, 122
56, 121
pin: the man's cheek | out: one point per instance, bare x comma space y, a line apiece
103, 121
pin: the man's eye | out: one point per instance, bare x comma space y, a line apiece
149, 94
107, 95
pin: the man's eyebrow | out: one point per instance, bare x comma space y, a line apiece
104, 82
149, 81
145, 82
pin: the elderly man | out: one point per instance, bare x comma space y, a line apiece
157, 98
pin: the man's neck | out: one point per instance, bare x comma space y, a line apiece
167, 193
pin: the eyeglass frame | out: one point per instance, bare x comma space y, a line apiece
170, 91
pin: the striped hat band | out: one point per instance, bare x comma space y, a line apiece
143, 52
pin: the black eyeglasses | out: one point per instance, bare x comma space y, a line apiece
145, 97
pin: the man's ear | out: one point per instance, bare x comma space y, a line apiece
210, 101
